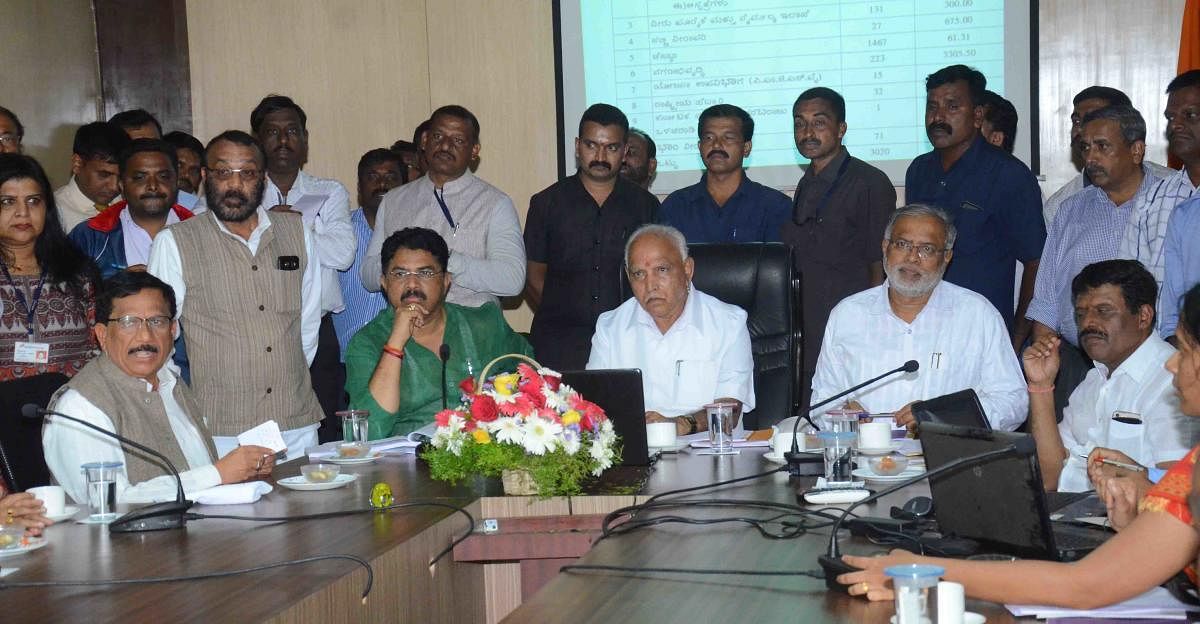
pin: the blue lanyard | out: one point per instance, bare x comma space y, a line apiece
445, 210
30, 310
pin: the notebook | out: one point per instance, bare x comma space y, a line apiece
960, 408
1000, 504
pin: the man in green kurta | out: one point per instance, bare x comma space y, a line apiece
393, 366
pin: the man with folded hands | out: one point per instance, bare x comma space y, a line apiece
394, 365
129, 390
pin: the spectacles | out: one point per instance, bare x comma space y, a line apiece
423, 274
130, 323
224, 175
924, 252
10, 139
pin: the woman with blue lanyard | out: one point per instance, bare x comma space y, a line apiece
47, 308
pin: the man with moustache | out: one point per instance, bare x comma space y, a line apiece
190, 153
641, 158
957, 335
393, 367
1089, 228
1126, 403
120, 237
248, 284
1092, 98
841, 207
1181, 260
726, 206
281, 126
379, 171
476, 219
130, 391
575, 235
94, 173
993, 198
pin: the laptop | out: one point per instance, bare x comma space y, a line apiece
1000, 504
618, 392
960, 408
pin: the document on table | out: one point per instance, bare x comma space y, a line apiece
266, 435
1156, 603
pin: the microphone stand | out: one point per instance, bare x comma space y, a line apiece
155, 517
796, 459
832, 562
444, 355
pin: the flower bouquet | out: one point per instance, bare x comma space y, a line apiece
535, 432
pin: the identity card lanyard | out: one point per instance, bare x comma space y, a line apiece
832, 187
30, 310
445, 211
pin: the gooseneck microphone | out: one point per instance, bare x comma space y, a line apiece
832, 562
444, 354
794, 457
155, 517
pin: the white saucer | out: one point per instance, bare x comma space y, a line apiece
68, 511
879, 451
34, 544
772, 457
304, 485
670, 448
352, 461
869, 475
969, 617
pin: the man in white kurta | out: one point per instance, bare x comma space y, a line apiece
692, 348
956, 335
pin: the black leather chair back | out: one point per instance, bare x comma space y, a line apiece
757, 277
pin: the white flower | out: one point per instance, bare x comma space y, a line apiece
570, 441
553, 400
543, 371
449, 438
540, 435
455, 443
606, 427
507, 429
603, 456
455, 423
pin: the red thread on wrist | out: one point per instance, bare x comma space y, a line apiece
393, 351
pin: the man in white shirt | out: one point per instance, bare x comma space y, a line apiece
955, 334
248, 284
478, 221
1127, 402
129, 391
282, 128
692, 348
93, 183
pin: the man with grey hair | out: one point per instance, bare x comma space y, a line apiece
956, 335
1089, 228
692, 348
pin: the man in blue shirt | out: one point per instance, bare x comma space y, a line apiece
726, 206
379, 171
993, 198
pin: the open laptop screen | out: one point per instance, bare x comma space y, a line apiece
618, 392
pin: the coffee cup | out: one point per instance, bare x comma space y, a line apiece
52, 496
875, 435
661, 434
781, 442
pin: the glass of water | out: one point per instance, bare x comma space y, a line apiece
102, 489
720, 426
354, 425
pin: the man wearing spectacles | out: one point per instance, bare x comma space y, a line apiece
11, 132
955, 334
394, 365
129, 390
249, 288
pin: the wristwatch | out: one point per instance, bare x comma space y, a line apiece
691, 421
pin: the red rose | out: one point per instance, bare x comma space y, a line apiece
467, 385
483, 408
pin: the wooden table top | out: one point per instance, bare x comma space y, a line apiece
595, 596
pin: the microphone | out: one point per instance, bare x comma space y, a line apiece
794, 457
444, 354
832, 562
155, 517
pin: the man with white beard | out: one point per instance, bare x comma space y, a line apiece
955, 334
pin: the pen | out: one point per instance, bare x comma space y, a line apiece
1116, 464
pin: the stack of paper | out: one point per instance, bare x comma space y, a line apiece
396, 444
1156, 604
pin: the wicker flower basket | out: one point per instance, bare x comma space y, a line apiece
518, 483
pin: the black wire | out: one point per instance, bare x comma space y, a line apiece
713, 485
817, 574
632, 511
350, 512
196, 577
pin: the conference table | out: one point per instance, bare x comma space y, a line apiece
462, 586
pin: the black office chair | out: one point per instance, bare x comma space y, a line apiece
24, 464
758, 278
